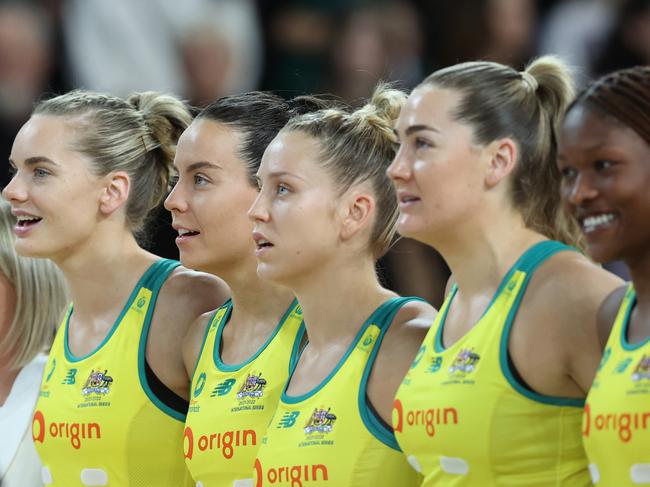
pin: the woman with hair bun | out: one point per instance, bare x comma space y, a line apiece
501, 378
604, 159
88, 169
324, 215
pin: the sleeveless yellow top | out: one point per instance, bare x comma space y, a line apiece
463, 419
329, 436
616, 423
231, 405
96, 421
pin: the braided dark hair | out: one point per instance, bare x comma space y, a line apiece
623, 94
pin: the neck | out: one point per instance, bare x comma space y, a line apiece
101, 275
640, 273
337, 298
253, 299
479, 256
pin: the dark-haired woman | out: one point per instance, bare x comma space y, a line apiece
604, 159
240, 354
88, 169
495, 395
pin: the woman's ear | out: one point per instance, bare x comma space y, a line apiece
503, 155
357, 213
115, 192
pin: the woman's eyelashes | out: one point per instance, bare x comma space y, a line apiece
421, 143
40, 173
282, 189
567, 173
603, 164
200, 179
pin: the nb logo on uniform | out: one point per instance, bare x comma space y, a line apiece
70, 377
223, 388
200, 384
289, 419
436, 364
620, 368
49, 375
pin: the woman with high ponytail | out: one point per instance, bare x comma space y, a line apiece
506, 366
325, 213
88, 169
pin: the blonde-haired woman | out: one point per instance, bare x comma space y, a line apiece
32, 299
88, 170
325, 213
495, 394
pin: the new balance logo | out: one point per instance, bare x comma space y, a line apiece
223, 388
70, 377
288, 419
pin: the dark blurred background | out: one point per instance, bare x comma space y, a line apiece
204, 49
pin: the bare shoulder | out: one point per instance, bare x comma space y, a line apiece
450, 282
607, 313
410, 325
396, 353
573, 284
184, 296
554, 341
193, 342
197, 290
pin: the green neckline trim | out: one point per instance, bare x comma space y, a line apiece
220, 365
534, 257
164, 268
372, 319
228, 302
521, 263
142, 282
370, 419
631, 302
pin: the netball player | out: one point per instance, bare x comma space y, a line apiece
604, 159
240, 354
325, 213
495, 396
88, 169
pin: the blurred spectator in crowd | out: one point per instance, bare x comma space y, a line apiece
511, 31
377, 41
201, 49
299, 35
576, 31
223, 54
27, 57
628, 43
467, 30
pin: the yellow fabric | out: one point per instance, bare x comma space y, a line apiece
616, 423
324, 438
95, 422
463, 420
231, 405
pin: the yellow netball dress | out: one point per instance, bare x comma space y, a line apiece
231, 405
330, 436
97, 422
616, 423
464, 419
